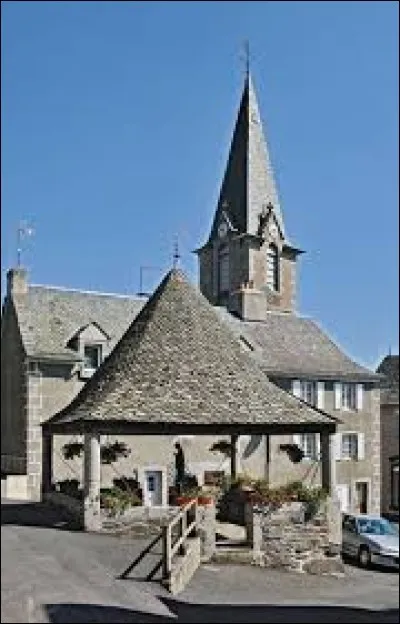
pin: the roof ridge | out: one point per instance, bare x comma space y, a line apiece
87, 292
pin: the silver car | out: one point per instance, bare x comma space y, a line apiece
370, 539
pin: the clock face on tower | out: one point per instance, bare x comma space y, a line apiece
222, 229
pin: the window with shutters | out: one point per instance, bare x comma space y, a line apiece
308, 444
223, 269
349, 446
349, 396
273, 267
308, 392
92, 354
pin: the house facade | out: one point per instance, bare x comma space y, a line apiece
389, 367
53, 339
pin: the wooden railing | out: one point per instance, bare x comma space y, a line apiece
185, 528
172, 542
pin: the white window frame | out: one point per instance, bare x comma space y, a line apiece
309, 392
349, 397
86, 370
300, 441
273, 268
348, 456
301, 387
341, 396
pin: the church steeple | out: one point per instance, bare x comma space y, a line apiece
248, 264
248, 186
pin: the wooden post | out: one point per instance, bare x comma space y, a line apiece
234, 456
47, 462
327, 463
166, 552
182, 549
267, 457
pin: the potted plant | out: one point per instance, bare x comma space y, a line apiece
187, 496
206, 496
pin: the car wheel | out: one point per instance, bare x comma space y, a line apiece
364, 557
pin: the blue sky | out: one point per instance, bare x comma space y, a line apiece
116, 122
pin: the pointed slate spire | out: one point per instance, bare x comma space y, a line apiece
248, 185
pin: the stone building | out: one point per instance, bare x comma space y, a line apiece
389, 367
53, 339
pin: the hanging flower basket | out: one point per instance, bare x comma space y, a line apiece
70, 450
109, 453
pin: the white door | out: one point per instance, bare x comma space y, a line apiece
152, 488
343, 494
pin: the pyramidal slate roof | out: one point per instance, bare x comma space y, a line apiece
178, 363
248, 185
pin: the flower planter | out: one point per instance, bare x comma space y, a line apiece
205, 500
181, 501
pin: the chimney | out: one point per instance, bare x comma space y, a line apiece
17, 282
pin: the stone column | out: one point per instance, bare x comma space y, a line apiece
207, 528
92, 479
47, 462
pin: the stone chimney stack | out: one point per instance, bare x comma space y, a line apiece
17, 282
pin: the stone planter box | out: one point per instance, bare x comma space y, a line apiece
283, 538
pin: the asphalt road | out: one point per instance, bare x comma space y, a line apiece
51, 573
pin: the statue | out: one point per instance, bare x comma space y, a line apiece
179, 466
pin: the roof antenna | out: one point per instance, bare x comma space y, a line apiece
176, 255
24, 231
390, 351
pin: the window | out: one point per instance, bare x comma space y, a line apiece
308, 444
394, 483
92, 357
349, 446
34, 368
273, 267
308, 392
223, 269
349, 396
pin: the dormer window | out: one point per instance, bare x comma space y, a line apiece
92, 354
273, 267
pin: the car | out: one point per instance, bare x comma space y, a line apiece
370, 540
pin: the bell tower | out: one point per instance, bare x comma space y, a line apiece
248, 264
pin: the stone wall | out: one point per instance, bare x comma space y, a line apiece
207, 529
389, 448
284, 538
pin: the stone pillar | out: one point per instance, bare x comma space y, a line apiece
328, 472
92, 479
253, 528
47, 462
207, 528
